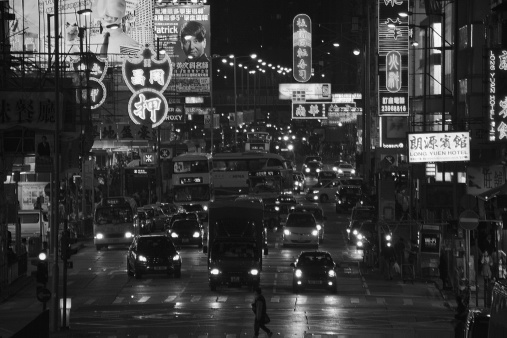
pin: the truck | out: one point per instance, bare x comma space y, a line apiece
236, 241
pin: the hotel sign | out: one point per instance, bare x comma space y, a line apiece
439, 147
147, 78
497, 99
302, 48
393, 42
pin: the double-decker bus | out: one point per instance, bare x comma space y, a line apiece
257, 141
115, 222
237, 174
191, 179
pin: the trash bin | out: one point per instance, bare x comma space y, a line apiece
68, 305
34, 246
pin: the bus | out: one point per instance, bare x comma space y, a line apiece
237, 174
115, 222
257, 141
191, 179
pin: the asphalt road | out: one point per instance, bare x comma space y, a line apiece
108, 303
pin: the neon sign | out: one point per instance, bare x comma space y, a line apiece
302, 48
497, 99
94, 93
147, 78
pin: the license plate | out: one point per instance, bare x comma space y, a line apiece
314, 282
160, 268
184, 240
234, 279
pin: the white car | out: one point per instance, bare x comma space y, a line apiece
326, 191
300, 229
344, 169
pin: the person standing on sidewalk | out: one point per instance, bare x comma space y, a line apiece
261, 317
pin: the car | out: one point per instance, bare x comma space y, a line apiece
477, 322
155, 215
366, 235
186, 232
145, 224
312, 168
312, 158
326, 176
344, 169
323, 191
300, 229
299, 182
358, 216
152, 254
318, 213
283, 210
200, 210
348, 197
180, 216
314, 269
272, 216
286, 199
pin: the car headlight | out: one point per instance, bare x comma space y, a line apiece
277, 208
388, 237
205, 208
355, 232
99, 236
340, 171
359, 236
348, 230
254, 272
319, 227
298, 273
315, 191
286, 232
335, 169
128, 234
174, 235
359, 244
315, 232
318, 170
214, 271
176, 257
141, 258
352, 171
316, 197
196, 234
331, 273
307, 170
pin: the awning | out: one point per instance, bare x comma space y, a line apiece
491, 193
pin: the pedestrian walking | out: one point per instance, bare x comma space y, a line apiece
261, 317
486, 264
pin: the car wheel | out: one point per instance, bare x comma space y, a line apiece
324, 198
177, 273
137, 274
129, 272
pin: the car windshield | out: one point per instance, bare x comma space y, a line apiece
159, 245
315, 260
346, 166
314, 164
301, 220
317, 213
313, 158
168, 209
185, 225
285, 208
235, 250
113, 215
192, 208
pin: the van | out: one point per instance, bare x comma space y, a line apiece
33, 223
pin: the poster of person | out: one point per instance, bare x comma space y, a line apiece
44, 147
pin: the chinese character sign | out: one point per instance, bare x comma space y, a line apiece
497, 99
310, 111
302, 48
91, 91
147, 77
184, 33
483, 178
439, 147
393, 42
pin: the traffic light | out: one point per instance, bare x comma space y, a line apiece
42, 269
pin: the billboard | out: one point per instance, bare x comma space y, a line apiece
323, 110
183, 32
497, 100
312, 91
439, 147
302, 48
393, 43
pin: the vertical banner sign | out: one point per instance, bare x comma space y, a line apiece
97, 67
183, 32
147, 78
393, 43
497, 100
302, 48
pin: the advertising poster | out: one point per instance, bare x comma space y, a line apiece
28, 192
183, 32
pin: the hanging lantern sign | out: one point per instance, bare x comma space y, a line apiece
147, 78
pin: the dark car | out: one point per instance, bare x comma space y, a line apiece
272, 216
318, 213
326, 176
477, 323
312, 168
152, 254
186, 232
314, 269
197, 208
348, 197
299, 182
145, 223
357, 217
180, 216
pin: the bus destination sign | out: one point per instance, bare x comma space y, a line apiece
264, 173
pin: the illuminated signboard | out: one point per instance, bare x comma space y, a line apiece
140, 172
439, 147
497, 100
312, 91
264, 173
393, 43
147, 78
302, 48
94, 93
322, 110
191, 180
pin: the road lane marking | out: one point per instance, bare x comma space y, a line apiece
144, 299
118, 300
274, 283
195, 299
301, 300
249, 299
354, 300
90, 301
408, 301
222, 299
169, 299
275, 299
381, 301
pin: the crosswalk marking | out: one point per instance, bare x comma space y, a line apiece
249, 299
169, 299
354, 300
222, 299
118, 300
195, 299
90, 301
275, 299
408, 301
143, 299
381, 301
301, 300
